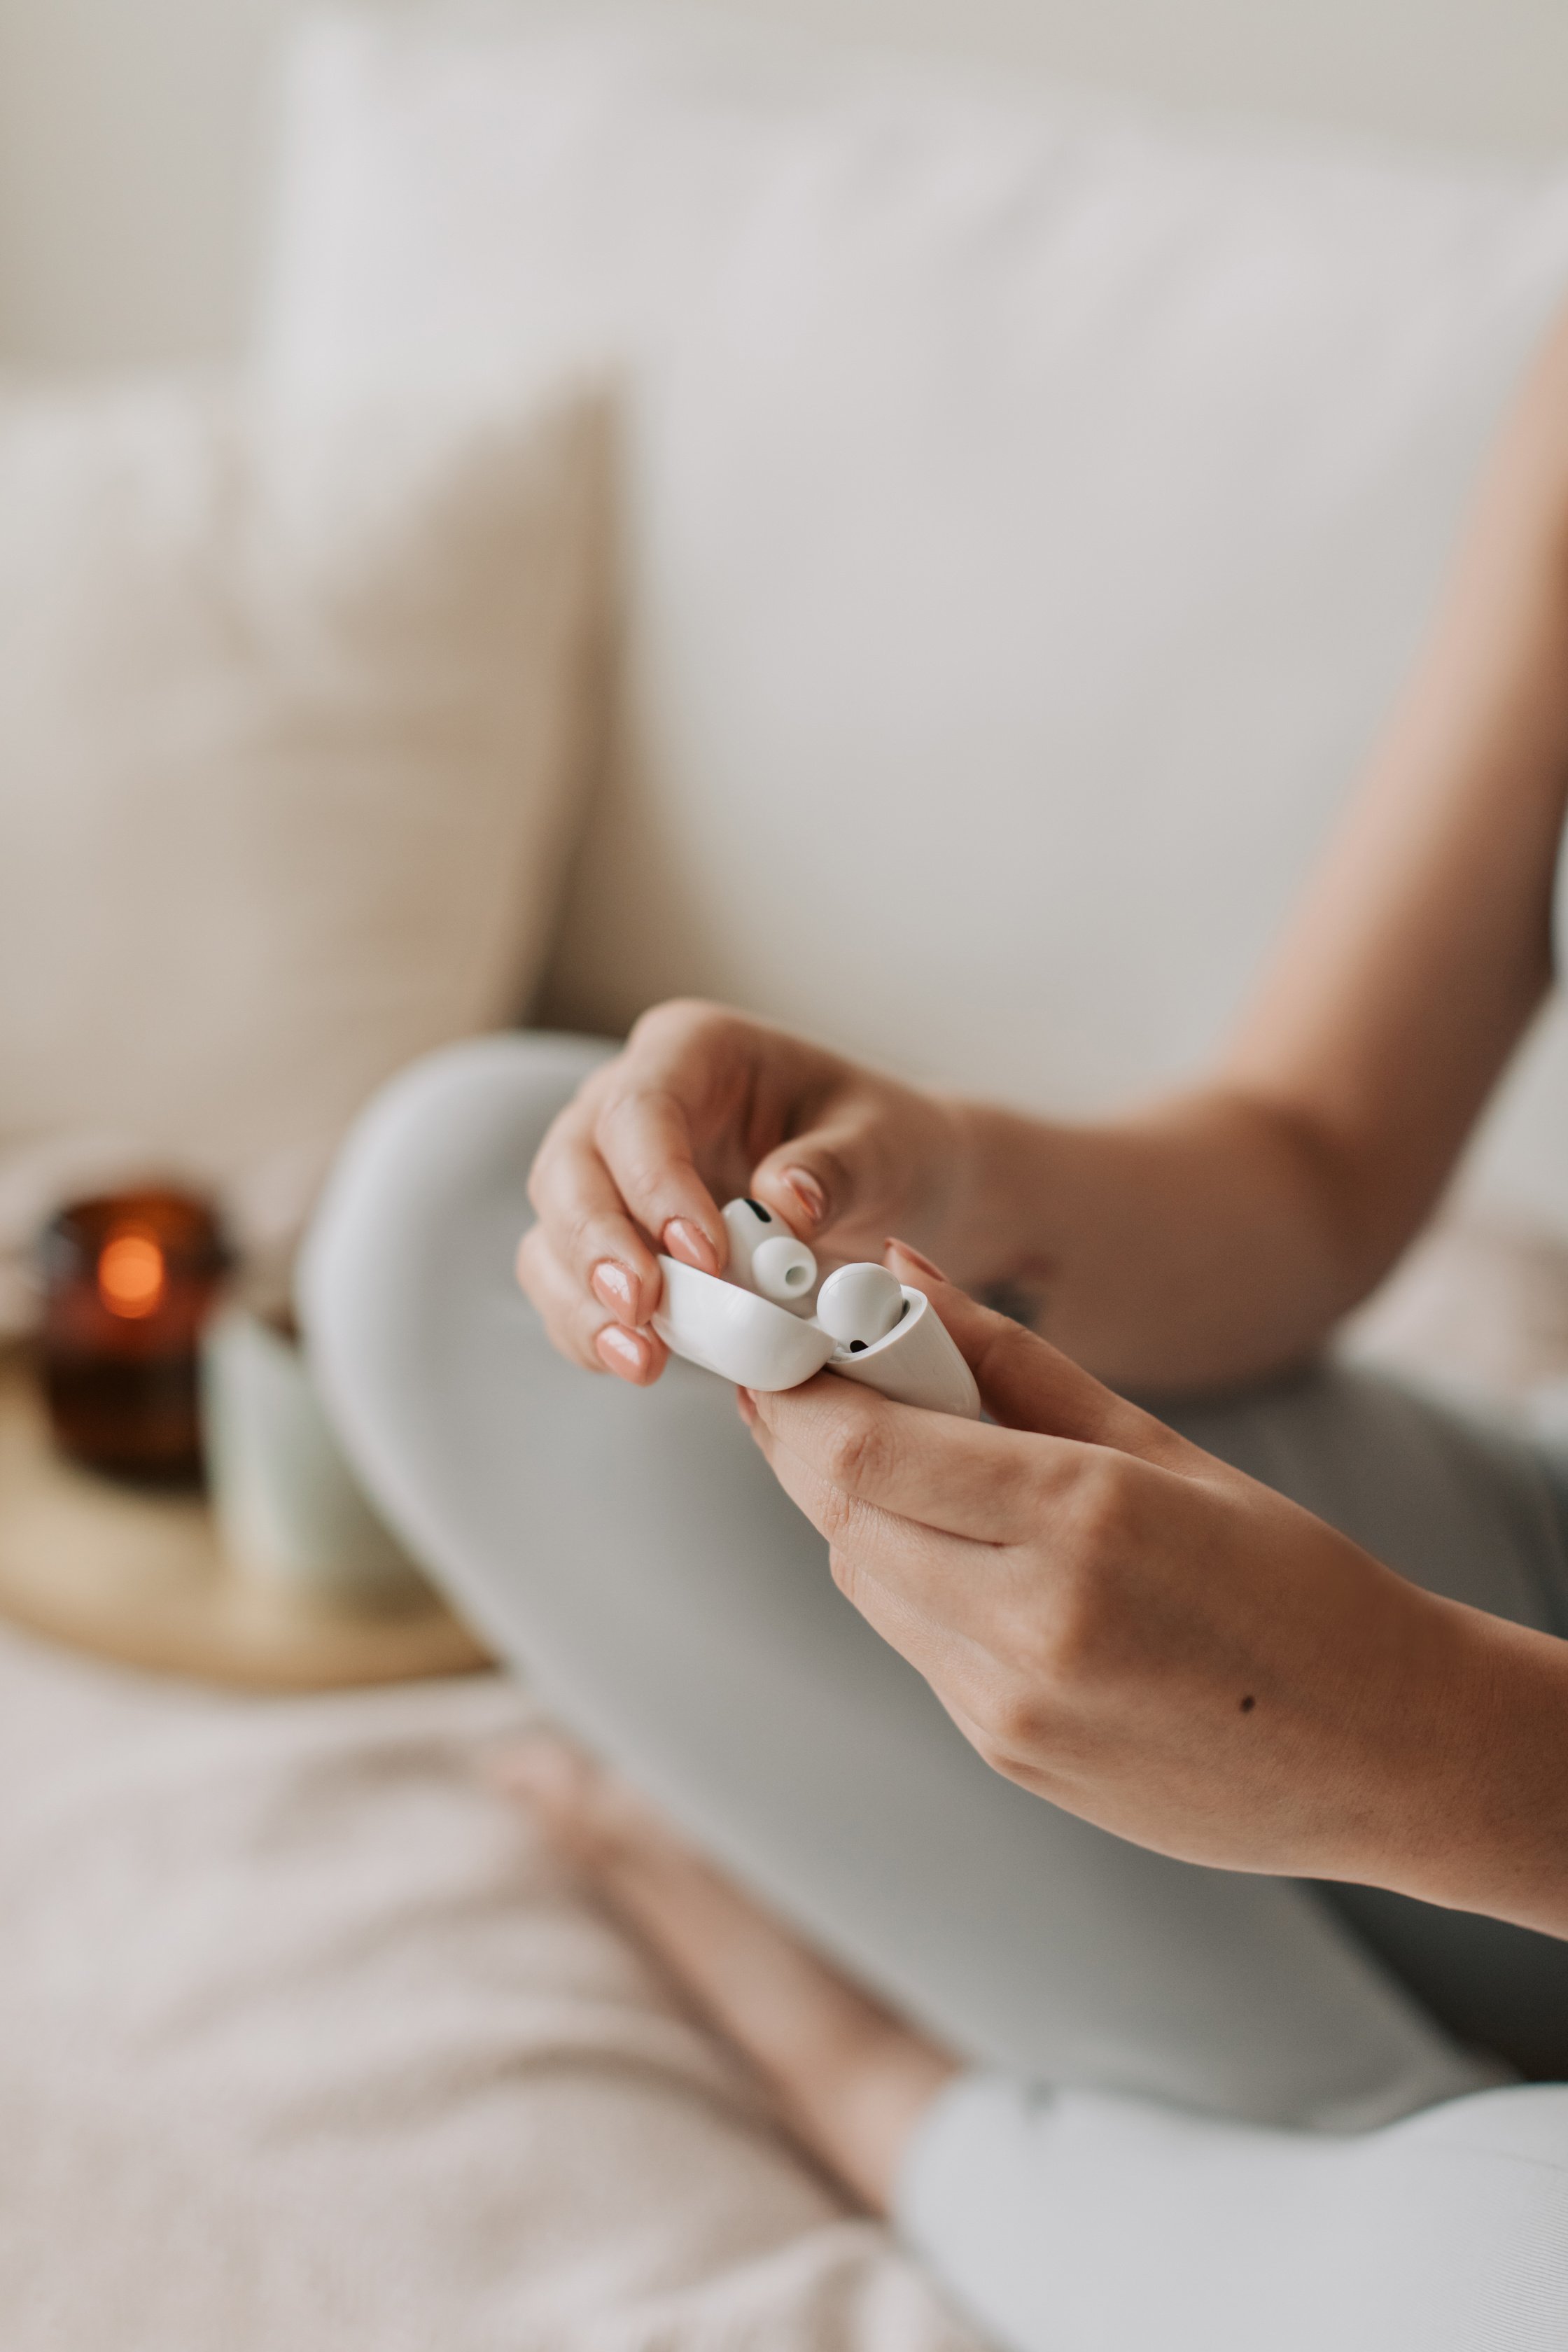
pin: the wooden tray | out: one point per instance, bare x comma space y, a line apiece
139, 1578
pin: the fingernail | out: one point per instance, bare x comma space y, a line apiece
624, 1353
614, 1287
915, 1258
688, 1242
807, 1192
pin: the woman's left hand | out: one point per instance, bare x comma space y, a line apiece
1148, 1638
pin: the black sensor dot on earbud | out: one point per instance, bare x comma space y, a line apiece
763, 1216
857, 1346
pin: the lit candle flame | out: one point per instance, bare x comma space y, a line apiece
131, 1276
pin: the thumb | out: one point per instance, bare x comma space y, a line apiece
1026, 1383
830, 1173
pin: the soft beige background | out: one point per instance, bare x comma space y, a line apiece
134, 136
132, 132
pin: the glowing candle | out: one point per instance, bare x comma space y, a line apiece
129, 1283
132, 1276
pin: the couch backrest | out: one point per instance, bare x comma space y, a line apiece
1029, 513
134, 133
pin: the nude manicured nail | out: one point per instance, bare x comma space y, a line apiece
916, 1258
807, 1192
614, 1287
690, 1245
621, 1352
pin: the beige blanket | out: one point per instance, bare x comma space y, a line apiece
302, 2045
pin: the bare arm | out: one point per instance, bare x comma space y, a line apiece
1222, 1233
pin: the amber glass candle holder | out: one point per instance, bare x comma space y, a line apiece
129, 1283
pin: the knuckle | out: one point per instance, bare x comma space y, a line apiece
1100, 1513
836, 1516
845, 1574
633, 1135
1015, 1719
679, 1020
995, 1756
642, 1172
835, 1176
1084, 1634
579, 1242
541, 1175
856, 1450
550, 1175
1074, 1640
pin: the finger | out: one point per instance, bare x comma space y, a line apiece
577, 1326
644, 1139
960, 1669
636, 1357
984, 1483
829, 1171
590, 1234
934, 1597
967, 1615
905, 1556
1026, 1384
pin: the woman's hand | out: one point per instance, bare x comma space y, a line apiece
1148, 1639
704, 1105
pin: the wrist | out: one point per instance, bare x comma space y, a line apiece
1477, 1817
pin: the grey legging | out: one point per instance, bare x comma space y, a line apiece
1205, 2110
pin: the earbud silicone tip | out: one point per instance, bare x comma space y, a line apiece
765, 1255
784, 1270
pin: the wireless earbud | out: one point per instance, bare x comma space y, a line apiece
917, 1362
859, 1305
756, 1326
765, 1255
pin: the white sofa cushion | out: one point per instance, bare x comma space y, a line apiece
292, 710
1030, 513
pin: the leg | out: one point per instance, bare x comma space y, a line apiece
631, 1552
852, 2079
1087, 2222
1084, 2220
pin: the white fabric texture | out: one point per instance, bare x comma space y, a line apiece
1089, 2223
292, 716
1030, 512
304, 2046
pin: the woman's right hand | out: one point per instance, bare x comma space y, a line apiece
701, 1106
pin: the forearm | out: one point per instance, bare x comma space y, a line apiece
1205, 1241
1465, 1797
1222, 1235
